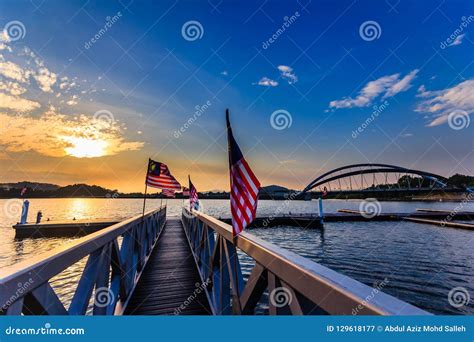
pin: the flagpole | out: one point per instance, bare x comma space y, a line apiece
146, 187
144, 200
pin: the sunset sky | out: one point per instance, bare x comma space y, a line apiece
90, 91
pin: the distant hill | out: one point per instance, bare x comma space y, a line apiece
274, 188
31, 185
46, 190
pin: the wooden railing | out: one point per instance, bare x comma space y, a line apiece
116, 258
296, 285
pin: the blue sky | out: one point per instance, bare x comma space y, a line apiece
323, 72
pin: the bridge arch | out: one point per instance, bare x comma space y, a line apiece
372, 168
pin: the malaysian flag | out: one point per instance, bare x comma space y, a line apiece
244, 186
158, 176
193, 196
185, 191
168, 193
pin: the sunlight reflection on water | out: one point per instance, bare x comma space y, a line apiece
422, 262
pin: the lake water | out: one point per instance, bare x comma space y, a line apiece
421, 263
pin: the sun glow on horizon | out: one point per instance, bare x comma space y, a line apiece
86, 148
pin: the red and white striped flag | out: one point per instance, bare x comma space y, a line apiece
159, 176
193, 196
168, 193
244, 186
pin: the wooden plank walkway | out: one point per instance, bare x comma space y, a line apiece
170, 283
450, 224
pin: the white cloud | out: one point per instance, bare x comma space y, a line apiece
387, 86
4, 46
65, 135
4, 36
73, 100
458, 40
12, 87
13, 71
439, 104
288, 74
17, 103
45, 78
402, 85
267, 82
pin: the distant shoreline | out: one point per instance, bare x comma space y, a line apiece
434, 199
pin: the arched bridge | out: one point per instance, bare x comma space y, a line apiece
375, 177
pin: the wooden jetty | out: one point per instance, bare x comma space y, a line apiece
66, 228
356, 215
170, 278
443, 223
77, 228
150, 265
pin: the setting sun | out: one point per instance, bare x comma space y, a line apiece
85, 148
